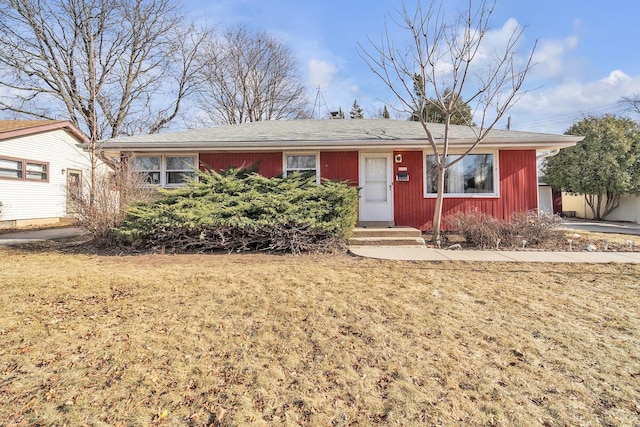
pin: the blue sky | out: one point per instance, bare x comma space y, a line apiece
588, 53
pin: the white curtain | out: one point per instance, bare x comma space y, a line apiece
455, 176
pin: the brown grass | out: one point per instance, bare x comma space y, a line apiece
315, 340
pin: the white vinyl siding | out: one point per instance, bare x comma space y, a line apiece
41, 191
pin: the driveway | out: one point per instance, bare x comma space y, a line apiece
602, 226
29, 236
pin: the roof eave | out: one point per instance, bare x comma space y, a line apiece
63, 124
261, 146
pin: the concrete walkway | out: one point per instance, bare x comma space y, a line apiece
29, 236
602, 226
418, 253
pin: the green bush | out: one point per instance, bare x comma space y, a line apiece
238, 211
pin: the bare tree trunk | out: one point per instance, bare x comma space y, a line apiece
594, 201
437, 214
613, 201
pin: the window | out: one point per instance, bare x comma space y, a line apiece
21, 169
149, 166
473, 175
166, 170
11, 169
303, 163
36, 171
179, 169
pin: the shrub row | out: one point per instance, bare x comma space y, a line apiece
483, 231
239, 211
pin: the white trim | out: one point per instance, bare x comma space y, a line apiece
301, 153
496, 177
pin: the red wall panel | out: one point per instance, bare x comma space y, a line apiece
518, 190
270, 164
339, 166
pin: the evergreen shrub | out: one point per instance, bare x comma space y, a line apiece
239, 211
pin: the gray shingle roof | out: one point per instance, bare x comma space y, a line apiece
328, 134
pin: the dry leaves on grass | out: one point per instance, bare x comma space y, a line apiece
315, 340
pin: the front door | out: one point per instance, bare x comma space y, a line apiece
74, 190
376, 182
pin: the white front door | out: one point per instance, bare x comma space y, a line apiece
376, 182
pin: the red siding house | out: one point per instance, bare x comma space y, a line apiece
390, 161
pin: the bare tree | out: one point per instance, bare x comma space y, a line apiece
453, 62
631, 103
101, 206
248, 77
111, 67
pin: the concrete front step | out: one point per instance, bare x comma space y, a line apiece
386, 236
386, 241
386, 232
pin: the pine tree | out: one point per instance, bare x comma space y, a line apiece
356, 111
385, 113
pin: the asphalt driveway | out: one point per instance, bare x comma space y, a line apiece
28, 236
602, 226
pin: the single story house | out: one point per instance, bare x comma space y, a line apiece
391, 161
39, 161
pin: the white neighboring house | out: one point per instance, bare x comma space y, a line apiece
628, 211
39, 161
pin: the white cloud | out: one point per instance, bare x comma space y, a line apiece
549, 58
321, 73
553, 109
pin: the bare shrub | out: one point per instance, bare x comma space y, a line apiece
103, 209
529, 228
478, 228
536, 227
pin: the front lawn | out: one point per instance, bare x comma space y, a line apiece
315, 340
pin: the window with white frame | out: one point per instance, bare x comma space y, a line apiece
150, 167
166, 171
473, 175
179, 169
302, 163
22, 169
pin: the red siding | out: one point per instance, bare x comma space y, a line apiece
557, 201
518, 190
339, 166
270, 164
518, 181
